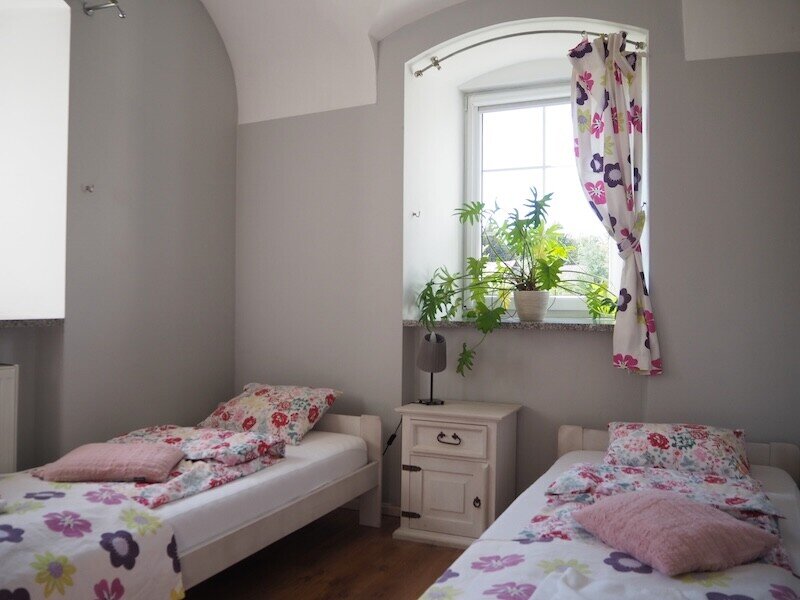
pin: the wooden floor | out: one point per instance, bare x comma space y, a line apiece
333, 557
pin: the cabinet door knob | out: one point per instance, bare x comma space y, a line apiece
477, 502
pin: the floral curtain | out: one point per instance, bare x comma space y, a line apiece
608, 123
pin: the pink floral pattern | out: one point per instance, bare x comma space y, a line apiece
197, 443
496, 563
614, 97
286, 412
67, 523
678, 446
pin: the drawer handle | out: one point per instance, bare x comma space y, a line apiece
442, 439
477, 502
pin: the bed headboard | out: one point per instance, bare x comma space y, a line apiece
774, 454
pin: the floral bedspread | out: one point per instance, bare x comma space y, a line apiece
82, 540
554, 557
218, 449
572, 570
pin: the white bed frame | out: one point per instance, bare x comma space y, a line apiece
774, 454
364, 484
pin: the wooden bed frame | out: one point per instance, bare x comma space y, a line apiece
364, 484
774, 454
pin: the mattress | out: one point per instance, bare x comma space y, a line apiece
321, 458
779, 486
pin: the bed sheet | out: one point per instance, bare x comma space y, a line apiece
321, 458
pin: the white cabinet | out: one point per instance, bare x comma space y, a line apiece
458, 475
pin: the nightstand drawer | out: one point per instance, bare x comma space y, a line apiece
448, 439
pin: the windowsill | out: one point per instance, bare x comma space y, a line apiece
549, 324
10, 324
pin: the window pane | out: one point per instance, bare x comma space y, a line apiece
559, 145
510, 189
569, 206
512, 138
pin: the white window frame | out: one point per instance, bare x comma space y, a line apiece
475, 105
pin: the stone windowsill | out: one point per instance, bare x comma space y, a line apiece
9, 324
549, 324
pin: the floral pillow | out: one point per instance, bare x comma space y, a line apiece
697, 448
288, 412
227, 447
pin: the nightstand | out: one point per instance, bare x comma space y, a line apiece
459, 470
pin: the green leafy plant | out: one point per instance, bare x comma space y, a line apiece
520, 252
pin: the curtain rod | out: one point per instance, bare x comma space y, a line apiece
437, 62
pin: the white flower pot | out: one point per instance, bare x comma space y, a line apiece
531, 305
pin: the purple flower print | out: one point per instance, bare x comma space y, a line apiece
597, 125
625, 563
606, 100
122, 548
782, 592
44, 495
449, 574
8, 533
104, 591
721, 596
612, 174
623, 300
637, 177
596, 163
631, 58
647, 340
105, 495
68, 523
511, 591
493, 563
581, 50
613, 220
644, 285
17, 594
596, 191
172, 552
580, 95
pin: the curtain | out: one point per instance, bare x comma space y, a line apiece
608, 124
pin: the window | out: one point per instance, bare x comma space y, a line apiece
519, 139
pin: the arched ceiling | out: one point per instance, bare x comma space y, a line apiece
306, 56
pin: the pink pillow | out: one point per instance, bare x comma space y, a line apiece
149, 463
673, 534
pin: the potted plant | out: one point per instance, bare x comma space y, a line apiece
523, 258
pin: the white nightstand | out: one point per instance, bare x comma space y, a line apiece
459, 470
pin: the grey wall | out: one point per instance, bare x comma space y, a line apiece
319, 233
148, 334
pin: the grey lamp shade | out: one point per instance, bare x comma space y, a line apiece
432, 353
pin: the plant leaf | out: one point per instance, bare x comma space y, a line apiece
465, 359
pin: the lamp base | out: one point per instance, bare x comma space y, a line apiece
430, 401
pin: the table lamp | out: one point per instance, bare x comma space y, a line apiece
432, 358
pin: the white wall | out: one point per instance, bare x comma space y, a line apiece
34, 115
723, 28
319, 235
148, 332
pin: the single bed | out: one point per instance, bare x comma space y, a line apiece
776, 465
337, 462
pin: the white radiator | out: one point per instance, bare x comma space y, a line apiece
9, 375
